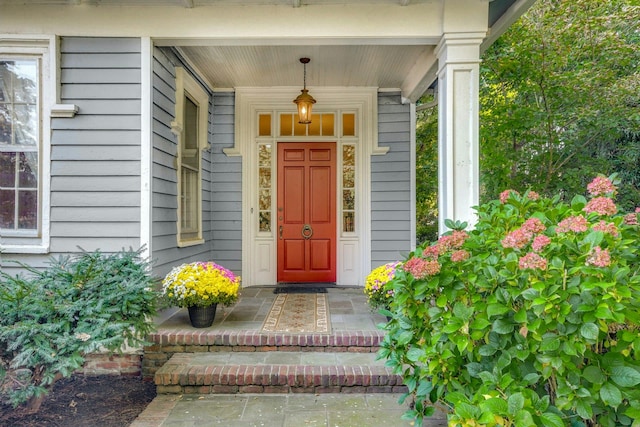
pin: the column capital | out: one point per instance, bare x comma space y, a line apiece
462, 48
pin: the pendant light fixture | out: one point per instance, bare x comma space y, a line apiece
304, 101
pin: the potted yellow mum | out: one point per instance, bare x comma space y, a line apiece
374, 287
200, 287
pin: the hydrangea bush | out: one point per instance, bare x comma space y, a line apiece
200, 284
378, 296
531, 319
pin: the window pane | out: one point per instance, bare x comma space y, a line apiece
348, 198
299, 129
190, 125
264, 155
265, 199
348, 177
265, 221
27, 209
349, 124
286, 124
265, 178
264, 125
7, 208
6, 124
7, 169
25, 80
189, 208
347, 218
314, 126
28, 173
327, 125
26, 125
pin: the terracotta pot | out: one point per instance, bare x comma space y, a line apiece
202, 317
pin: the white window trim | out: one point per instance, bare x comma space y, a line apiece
44, 47
186, 84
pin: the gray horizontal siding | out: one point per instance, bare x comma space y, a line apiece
226, 196
166, 252
390, 183
95, 156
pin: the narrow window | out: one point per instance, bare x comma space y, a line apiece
191, 124
19, 146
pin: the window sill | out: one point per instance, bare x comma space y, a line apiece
24, 249
187, 243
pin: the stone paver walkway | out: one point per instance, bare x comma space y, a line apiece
281, 410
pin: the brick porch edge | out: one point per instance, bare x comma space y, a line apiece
167, 343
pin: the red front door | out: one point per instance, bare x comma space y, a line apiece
306, 212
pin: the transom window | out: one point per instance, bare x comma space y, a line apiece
19, 145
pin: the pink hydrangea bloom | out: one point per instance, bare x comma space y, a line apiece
421, 268
577, 224
532, 261
432, 251
599, 257
532, 195
460, 255
533, 225
600, 186
606, 227
631, 219
504, 196
638, 210
540, 242
518, 238
602, 206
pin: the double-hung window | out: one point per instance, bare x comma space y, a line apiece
191, 125
24, 69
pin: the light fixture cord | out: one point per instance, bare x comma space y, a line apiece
305, 76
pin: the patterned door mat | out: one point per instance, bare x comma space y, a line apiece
299, 312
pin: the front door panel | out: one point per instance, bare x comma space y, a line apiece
306, 212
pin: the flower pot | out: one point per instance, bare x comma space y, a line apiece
202, 317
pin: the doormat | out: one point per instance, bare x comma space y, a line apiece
301, 312
298, 290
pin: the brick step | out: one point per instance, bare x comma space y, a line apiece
276, 372
166, 343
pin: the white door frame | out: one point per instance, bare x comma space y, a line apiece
259, 249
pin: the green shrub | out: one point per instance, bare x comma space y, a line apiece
531, 319
52, 318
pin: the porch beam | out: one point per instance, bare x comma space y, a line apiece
458, 128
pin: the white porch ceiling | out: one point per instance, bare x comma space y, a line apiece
255, 66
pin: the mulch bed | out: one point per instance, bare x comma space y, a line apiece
79, 401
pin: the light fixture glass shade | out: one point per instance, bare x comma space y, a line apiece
305, 102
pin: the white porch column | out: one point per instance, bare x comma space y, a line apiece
458, 136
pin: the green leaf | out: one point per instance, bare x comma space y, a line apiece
625, 376
590, 331
584, 409
610, 395
414, 354
593, 374
551, 420
515, 403
496, 309
502, 326
495, 405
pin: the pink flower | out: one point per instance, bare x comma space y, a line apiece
533, 225
601, 186
504, 196
421, 268
518, 238
532, 261
576, 224
606, 227
460, 255
432, 251
599, 257
532, 195
631, 219
602, 206
638, 210
540, 242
